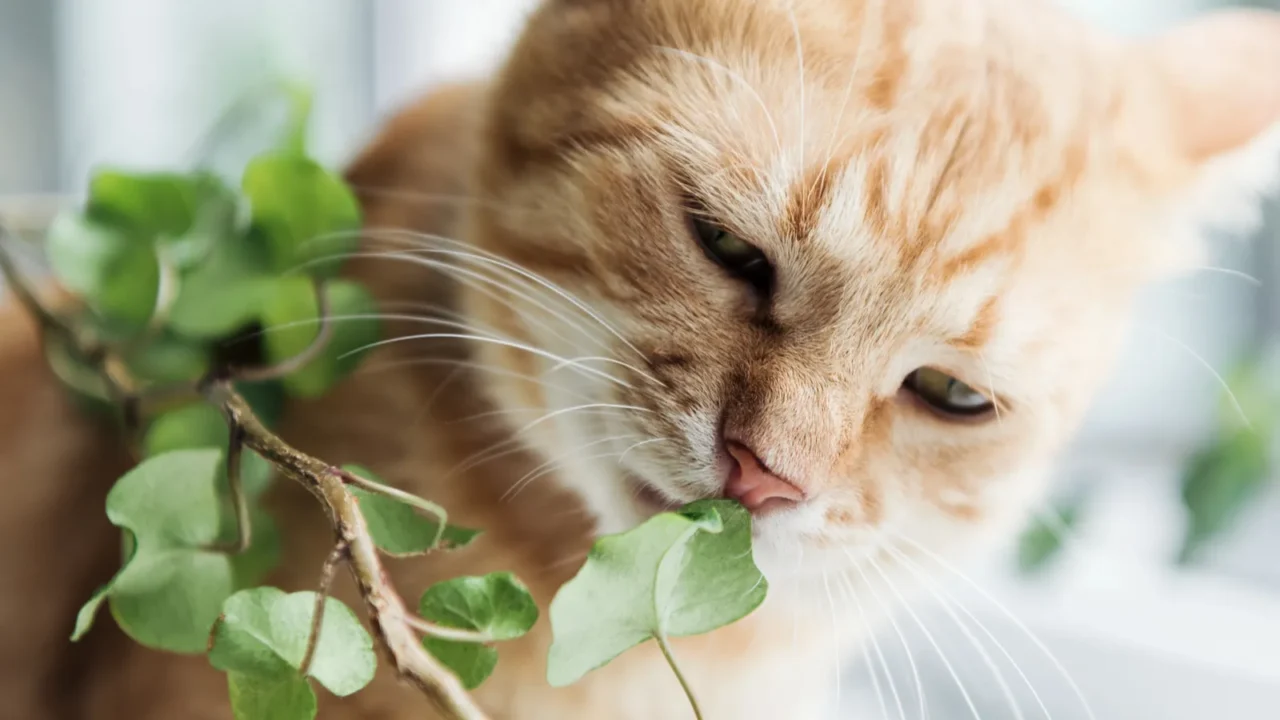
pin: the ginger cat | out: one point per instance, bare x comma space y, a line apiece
860, 264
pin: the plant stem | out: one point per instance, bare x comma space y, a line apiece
239, 499
385, 608
441, 632
413, 501
675, 668
322, 597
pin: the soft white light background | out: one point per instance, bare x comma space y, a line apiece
136, 82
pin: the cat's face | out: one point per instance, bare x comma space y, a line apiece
888, 246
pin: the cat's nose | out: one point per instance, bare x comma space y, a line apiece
754, 485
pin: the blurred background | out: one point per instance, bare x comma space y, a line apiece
1150, 585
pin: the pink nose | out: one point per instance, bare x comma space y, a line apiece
755, 486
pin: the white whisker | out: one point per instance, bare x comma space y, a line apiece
852, 592
835, 629
685, 54
622, 458
928, 636
1035, 639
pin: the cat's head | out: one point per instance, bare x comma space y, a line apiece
866, 262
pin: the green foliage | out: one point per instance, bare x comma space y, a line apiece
1042, 542
498, 606
264, 632
292, 316
303, 213
271, 697
116, 272
1222, 478
184, 277
401, 530
678, 574
171, 589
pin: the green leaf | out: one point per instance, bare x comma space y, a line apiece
223, 293
144, 204
678, 574
291, 322
167, 358
399, 529
303, 212
263, 631
274, 697
266, 399
1218, 485
116, 273
200, 425
1042, 541
497, 605
170, 590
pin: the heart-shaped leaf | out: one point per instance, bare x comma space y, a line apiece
224, 292
498, 606
200, 425
115, 272
678, 574
401, 530
148, 205
171, 589
291, 321
302, 211
263, 631
167, 358
271, 697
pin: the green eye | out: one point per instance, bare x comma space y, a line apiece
742, 259
946, 394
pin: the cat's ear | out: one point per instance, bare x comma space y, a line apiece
1221, 77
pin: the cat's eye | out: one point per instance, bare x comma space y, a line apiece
739, 257
947, 395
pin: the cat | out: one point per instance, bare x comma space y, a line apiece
859, 264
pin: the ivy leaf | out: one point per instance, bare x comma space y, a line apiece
291, 322
170, 590
678, 574
497, 605
115, 272
148, 205
1218, 485
399, 529
167, 358
200, 425
263, 631
270, 697
223, 293
1042, 541
302, 211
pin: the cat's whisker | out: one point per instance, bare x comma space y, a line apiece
469, 365
483, 284
840, 673
611, 361
733, 74
886, 610
623, 457
394, 193
495, 341
852, 593
947, 598
555, 461
589, 406
1229, 272
1006, 612
529, 481
799, 43
529, 275
996, 673
864, 41
1217, 376
991, 389
928, 636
